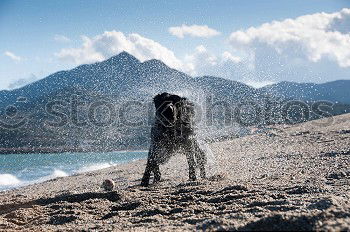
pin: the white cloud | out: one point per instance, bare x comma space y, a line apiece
227, 56
22, 82
315, 37
13, 56
200, 61
258, 84
310, 48
111, 43
203, 62
61, 38
193, 30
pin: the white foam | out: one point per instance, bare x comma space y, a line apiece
8, 180
94, 167
55, 174
58, 173
29, 175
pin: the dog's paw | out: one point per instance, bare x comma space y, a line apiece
144, 183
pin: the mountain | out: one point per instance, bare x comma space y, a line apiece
67, 109
335, 91
108, 106
121, 75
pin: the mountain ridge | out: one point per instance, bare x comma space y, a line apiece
120, 80
127, 62
334, 91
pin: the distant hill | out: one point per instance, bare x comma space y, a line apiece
118, 81
125, 76
335, 91
108, 106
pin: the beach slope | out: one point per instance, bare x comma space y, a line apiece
285, 178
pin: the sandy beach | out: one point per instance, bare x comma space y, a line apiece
287, 178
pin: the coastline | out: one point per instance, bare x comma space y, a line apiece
18, 170
66, 150
288, 178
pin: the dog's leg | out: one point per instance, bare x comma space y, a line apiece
202, 170
200, 158
152, 166
147, 173
191, 165
157, 174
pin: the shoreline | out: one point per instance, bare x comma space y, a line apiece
57, 172
23, 152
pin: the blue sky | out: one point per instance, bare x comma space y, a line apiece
34, 33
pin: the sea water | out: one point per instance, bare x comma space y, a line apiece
18, 170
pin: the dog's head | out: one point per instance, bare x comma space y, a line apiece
166, 108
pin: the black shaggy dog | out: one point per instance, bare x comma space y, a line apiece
173, 131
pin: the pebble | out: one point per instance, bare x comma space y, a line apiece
108, 185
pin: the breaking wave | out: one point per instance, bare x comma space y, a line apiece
18, 170
94, 167
55, 174
8, 180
